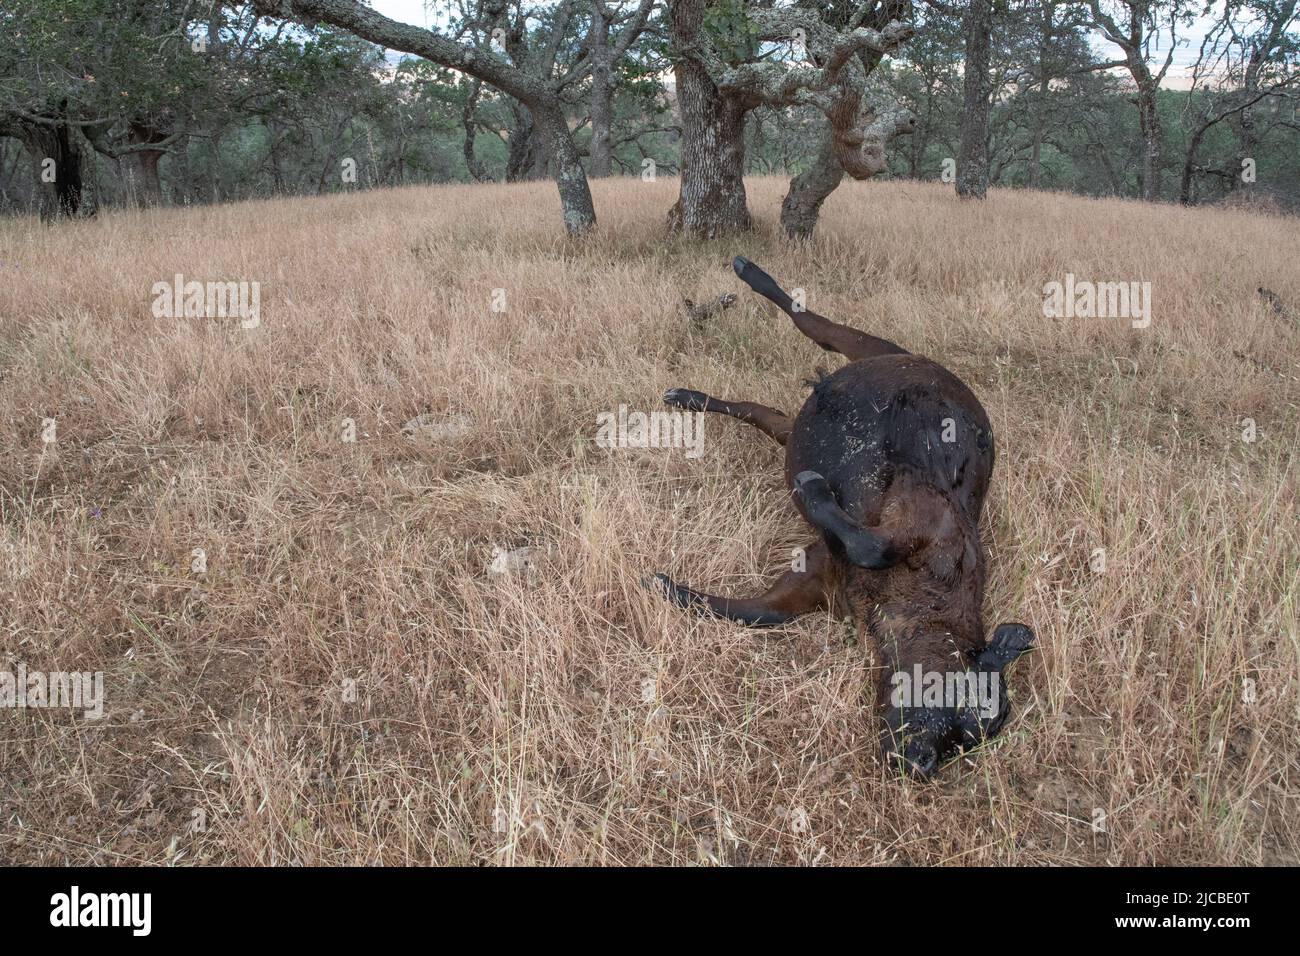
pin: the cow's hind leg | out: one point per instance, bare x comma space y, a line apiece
767, 420
795, 592
832, 336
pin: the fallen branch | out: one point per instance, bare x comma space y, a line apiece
697, 315
1274, 300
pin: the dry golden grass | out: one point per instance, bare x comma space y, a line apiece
347, 683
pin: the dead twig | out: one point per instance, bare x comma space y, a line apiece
697, 315
1275, 301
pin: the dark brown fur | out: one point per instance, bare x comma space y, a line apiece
890, 458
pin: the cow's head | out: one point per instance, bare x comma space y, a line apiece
930, 713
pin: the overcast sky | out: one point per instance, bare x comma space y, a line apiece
407, 11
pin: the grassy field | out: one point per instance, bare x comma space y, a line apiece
346, 682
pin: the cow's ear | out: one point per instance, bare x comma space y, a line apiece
1008, 642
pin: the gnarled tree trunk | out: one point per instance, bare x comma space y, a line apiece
802, 205
144, 162
470, 125
57, 163
712, 200
570, 177
602, 92
1152, 140
973, 153
521, 146
534, 92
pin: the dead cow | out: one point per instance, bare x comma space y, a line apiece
890, 459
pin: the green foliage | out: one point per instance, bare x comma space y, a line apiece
248, 109
728, 29
104, 57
